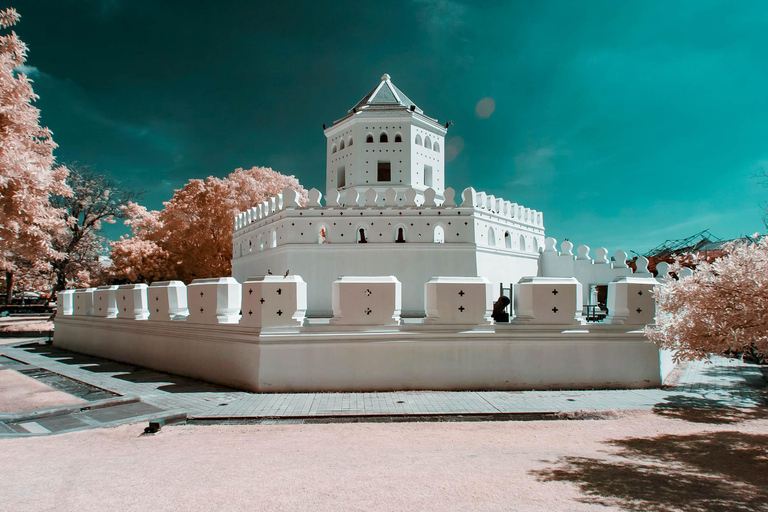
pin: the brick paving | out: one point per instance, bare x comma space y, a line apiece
721, 383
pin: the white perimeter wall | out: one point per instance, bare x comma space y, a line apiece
417, 357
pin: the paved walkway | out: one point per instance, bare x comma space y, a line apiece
722, 383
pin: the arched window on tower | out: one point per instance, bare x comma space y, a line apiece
274, 239
333, 149
400, 236
535, 245
398, 138
507, 240
436, 147
369, 138
341, 145
361, 238
522, 243
383, 137
491, 237
350, 141
322, 235
418, 139
439, 235
428, 143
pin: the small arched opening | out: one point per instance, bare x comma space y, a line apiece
341, 144
398, 137
507, 240
369, 138
383, 137
333, 148
428, 143
522, 243
418, 139
439, 237
350, 141
322, 235
400, 238
491, 237
436, 147
274, 239
535, 245
362, 236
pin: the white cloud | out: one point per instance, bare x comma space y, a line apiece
30, 71
535, 166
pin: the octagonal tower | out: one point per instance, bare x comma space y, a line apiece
385, 141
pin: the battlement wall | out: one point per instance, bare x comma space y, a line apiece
597, 271
388, 216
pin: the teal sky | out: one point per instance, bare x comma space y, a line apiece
626, 123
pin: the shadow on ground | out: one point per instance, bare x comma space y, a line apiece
136, 374
719, 471
706, 410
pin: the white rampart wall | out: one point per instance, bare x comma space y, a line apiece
600, 270
321, 243
494, 358
358, 353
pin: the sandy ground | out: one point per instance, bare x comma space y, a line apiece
27, 325
637, 461
20, 393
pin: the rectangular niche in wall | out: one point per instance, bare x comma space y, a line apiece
427, 175
340, 178
384, 171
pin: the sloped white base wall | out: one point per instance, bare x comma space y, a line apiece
408, 357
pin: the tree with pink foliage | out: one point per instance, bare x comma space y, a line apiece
192, 236
28, 174
722, 306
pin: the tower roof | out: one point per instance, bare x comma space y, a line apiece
385, 96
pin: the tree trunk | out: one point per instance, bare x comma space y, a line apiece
8, 287
61, 280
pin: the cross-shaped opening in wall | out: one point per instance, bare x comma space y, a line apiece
368, 293
640, 292
639, 310
279, 291
368, 311
250, 291
279, 312
262, 300
555, 310
461, 309
201, 310
461, 293
250, 313
201, 294
554, 292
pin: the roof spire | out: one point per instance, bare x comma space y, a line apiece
386, 96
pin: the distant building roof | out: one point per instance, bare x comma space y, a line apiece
703, 241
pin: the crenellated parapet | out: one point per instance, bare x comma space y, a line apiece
599, 270
266, 303
388, 216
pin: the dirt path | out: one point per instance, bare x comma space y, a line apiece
20, 393
639, 461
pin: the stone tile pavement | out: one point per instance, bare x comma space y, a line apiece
721, 383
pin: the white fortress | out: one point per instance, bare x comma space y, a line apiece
407, 272
387, 212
